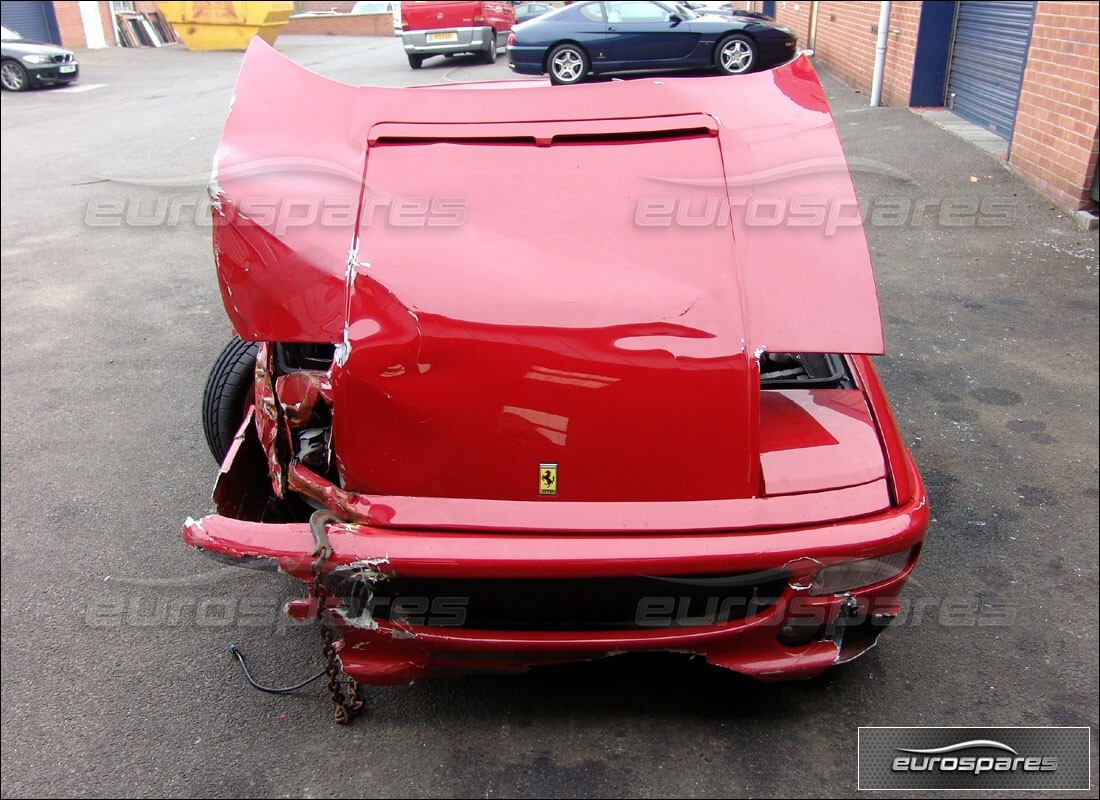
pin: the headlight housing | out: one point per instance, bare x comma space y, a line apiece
840, 578
36, 59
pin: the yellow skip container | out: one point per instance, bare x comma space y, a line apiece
226, 25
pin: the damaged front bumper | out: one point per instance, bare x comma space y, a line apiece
417, 602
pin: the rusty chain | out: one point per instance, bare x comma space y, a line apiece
345, 693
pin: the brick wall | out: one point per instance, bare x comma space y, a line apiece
313, 6
108, 21
70, 25
342, 25
795, 16
1054, 146
748, 5
845, 42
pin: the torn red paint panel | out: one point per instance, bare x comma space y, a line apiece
299, 393
267, 416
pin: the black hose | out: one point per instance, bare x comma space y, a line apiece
270, 690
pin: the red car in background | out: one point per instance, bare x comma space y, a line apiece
449, 28
612, 408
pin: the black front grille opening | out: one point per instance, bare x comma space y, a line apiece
573, 604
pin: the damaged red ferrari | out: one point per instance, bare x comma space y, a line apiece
525, 376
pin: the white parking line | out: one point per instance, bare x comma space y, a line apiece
80, 87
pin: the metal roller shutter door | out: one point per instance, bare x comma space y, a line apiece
27, 18
987, 62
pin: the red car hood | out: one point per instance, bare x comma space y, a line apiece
575, 277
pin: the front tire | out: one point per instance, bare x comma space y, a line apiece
567, 64
13, 77
227, 395
735, 55
415, 61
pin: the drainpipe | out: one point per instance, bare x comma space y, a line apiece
880, 52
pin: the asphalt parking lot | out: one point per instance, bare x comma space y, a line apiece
116, 675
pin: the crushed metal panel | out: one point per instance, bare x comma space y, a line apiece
285, 192
807, 285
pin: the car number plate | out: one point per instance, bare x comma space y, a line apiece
67, 68
443, 37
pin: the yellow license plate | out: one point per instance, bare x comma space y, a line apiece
443, 37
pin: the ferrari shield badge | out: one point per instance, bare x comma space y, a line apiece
548, 478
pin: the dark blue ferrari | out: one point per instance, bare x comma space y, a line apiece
594, 38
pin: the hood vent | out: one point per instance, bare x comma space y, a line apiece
545, 134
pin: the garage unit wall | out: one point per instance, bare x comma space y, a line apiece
796, 16
31, 19
1054, 146
71, 25
107, 22
988, 56
1055, 138
76, 25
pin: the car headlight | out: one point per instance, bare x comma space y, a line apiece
839, 578
37, 59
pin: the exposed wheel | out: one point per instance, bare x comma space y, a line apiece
13, 77
227, 395
567, 64
735, 55
415, 61
489, 56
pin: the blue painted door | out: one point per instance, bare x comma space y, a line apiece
643, 33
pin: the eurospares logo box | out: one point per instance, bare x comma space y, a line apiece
1028, 759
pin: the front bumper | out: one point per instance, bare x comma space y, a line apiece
50, 74
384, 651
466, 40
